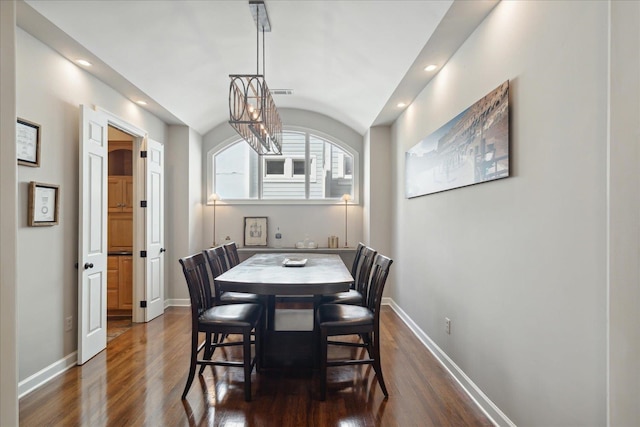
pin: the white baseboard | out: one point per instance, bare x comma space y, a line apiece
27, 385
177, 302
484, 403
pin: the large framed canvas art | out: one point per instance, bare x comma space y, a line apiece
471, 148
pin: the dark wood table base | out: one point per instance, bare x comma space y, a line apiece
289, 340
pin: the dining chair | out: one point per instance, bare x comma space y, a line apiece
360, 271
356, 258
232, 254
346, 319
219, 320
218, 265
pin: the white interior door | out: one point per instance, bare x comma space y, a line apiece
92, 235
154, 269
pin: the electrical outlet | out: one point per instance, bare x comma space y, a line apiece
68, 323
447, 325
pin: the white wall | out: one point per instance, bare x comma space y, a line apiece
49, 90
519, 265
295, 221
8, 218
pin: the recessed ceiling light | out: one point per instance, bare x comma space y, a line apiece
430, 67
141, 102
83, 62
401, 105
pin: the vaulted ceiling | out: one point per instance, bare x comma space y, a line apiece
351, 60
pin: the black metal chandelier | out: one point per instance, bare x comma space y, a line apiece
252, 112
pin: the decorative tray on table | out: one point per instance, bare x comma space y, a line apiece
294, 262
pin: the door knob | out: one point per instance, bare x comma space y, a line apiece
88, 265
162, 250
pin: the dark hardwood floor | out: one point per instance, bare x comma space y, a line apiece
139, 378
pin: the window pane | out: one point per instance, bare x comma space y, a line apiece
334, 170
289, 186
348, 166
275, 167
239, 172
236, 172
298, 167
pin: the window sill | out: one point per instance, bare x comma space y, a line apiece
276, 202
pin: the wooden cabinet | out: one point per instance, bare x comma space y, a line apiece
119, 282
125, 296
120, 232
120, 197
113, 282
120, 222
120, 192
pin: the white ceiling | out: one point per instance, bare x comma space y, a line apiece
350, 60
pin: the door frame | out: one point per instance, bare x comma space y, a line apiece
139, 144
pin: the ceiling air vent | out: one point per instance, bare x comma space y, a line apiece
281, 91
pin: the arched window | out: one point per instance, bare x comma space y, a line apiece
311, 168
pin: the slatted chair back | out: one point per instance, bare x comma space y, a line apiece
232, 254
218, 265
356, 259
361, 278
378, 279
195, 272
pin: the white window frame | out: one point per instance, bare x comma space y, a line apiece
288, 175
357, 168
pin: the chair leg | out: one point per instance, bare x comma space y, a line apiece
323, 364
208, 349
376, 362
246, 336
194, 359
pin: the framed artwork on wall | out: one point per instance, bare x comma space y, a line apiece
471, 148
255, 231
44, 204
28, 143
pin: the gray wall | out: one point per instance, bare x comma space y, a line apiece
378, 193
8, 218
624, 216
520, 265
183, 178
49, 91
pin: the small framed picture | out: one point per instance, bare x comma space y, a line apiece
44, 202
255, 231
28, 143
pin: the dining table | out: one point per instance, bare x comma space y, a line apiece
299, 276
